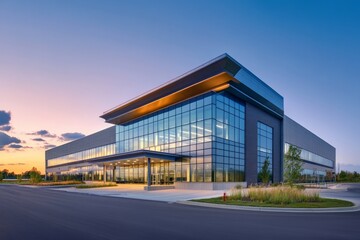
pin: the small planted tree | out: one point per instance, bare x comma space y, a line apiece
264, 174
55, 177
292, 165
19, 178
35, 175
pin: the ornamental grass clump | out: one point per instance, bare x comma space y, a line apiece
236, 194
274, 195
282, 195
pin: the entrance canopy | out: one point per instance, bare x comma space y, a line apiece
136, 163
136, 157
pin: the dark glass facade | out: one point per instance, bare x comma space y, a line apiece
208, 131
265, 146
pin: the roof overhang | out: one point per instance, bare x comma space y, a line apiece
218, 82
207, 77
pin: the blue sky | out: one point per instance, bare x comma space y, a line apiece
63, 63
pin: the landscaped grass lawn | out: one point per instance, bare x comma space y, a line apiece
15, 182
323, 203
97, 185
60, 183
44, 183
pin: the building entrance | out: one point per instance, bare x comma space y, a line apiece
161, 173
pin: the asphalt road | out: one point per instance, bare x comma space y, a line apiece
34, 213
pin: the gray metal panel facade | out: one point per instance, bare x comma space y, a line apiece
101, 138
261, 88
252, 116
299, 136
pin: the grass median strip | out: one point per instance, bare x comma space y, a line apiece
61, 183
280, 197
44, 183
96, 185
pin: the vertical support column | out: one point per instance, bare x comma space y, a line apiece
114, 178
149, 172
104, 173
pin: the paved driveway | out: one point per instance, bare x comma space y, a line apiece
40, 213
346, 191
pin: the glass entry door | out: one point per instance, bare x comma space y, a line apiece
159, 173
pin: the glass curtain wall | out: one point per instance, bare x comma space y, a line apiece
208, 131
265, 147
229, 139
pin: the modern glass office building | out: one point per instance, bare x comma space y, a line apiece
210, 128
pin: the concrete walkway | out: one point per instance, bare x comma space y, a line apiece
137, 192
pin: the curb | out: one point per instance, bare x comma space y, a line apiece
355, 208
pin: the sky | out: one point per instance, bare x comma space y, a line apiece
63, 63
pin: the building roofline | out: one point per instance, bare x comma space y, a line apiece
221, 64
191, 84
170, 81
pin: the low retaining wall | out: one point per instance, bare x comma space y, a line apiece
208, 186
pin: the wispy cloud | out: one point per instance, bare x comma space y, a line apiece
5, 118
6, 140
48, 146
38, 139
43, 133
16, 146
12, 164
5, 128
71, 136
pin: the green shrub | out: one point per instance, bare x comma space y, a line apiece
19, 178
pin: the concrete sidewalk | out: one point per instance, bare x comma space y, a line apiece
138, 192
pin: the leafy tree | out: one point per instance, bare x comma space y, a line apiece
6, 174
35, 175
345, 176
292, 165
264, 174
329, 176
1, 176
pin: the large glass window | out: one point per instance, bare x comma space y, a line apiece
264, 147
312, 157
229, 140
208, 129
83, 155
